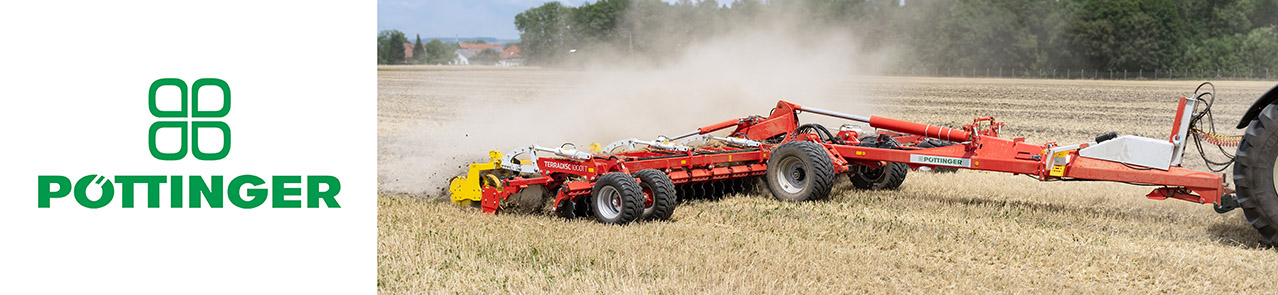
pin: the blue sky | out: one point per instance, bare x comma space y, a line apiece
463, 18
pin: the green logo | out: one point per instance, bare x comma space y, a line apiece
935, 160
189, 119
246, 191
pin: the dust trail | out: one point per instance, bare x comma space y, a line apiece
739, 73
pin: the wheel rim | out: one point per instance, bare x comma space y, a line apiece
792, 176
650, 198
608, 202
1275, 170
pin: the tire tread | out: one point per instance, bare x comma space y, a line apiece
1259, 203
821, 175
664, 197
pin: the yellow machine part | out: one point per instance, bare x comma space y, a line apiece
1059, 170
469, 188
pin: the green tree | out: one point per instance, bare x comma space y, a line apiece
1252, 53
390, 47
437, 52
1040, 36
544, 32
1260, 50
419, 52
1130, 34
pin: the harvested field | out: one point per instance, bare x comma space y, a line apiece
965, 232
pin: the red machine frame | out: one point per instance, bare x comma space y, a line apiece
979, 148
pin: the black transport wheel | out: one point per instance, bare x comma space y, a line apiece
1255, 174
616, 198
888, 177
659, 194
800, 171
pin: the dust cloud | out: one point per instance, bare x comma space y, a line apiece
735, 74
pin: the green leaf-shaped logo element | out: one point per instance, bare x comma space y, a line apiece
189, 119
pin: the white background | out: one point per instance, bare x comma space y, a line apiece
73, 101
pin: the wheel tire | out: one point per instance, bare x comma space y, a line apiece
888, 177
616, 198
800, 171
660, 188
931, 143
529, 200
1255, 173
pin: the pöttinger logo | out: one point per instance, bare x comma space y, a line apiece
246, 191
189, 119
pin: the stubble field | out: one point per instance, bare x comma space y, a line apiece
966, 232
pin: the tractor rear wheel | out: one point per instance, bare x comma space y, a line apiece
1256, 174
888, 177
616, 198
800, 171
659, 194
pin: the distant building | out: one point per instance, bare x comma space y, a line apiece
510, 57
511, 52
460, 59
477, 47
468, 53
469, 50
408, 51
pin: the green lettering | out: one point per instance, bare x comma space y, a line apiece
258, 195
44, 185
126, 189
175, 191
279, 191
152, 189
313, 193
81, 193
212, 194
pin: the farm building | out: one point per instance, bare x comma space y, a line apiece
510, 57
477, 47
461, 59
408, 51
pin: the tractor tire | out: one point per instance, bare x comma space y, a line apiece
1255, 173
616, 199
888, 177
529, 200
931, 143
800, 171
659, 194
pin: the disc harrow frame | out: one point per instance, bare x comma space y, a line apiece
743, 156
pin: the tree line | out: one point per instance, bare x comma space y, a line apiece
390, 50
1105, 35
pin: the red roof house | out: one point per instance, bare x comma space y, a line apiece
479, 46
408, 50
511, 52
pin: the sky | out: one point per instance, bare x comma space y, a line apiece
461, 18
